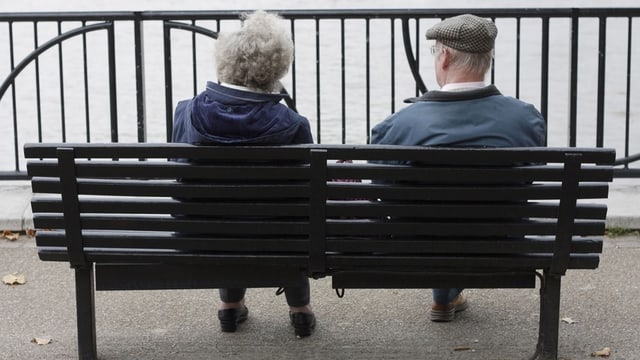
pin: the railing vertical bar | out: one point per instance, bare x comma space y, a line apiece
573, 80
627, 111
602, 57
86, 85
141, 107
194, 59
38, 95
168, 92
61, 75
393, 64
368, 77
544, 73
417, 52
113, 91
14, 104
518, 50
343, 83
293, 65
318, 117
493, 61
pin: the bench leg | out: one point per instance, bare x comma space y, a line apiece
547, 347
86, 316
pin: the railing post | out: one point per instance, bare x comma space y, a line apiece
602, 48
140, 81
168, 93
113, 91
573, 81
544, 70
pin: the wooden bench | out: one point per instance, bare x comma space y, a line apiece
125, 218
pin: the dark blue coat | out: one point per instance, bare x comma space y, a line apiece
226, 116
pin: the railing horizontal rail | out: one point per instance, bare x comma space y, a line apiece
353, 67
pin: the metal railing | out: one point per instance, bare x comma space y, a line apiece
117, 76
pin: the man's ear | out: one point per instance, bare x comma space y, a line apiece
445, 58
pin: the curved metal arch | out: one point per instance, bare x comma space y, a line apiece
44, 47
213, 34
411, 59
627, 160
193, 28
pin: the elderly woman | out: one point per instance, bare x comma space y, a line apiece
245, 108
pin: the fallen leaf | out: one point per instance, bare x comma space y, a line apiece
9, 235
605, 352
30, 232
462, 348
569, 320
14, 279
41, 341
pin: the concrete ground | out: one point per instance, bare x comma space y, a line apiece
600, 307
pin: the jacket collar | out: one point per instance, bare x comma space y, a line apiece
231, 95
438, 95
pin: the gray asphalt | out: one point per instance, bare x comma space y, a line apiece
600, 307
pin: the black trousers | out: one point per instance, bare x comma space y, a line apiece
296, 296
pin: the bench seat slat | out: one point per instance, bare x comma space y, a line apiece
201, 191
193, 276
333, 227
355, 152
465, 210
172, 206
167, 240
459, 245
167, 188
343, 262
335, 209
162, 240
415, 280
461, 228
347, 190
174, 170
166, 223
443, 174
154, 169
147, 256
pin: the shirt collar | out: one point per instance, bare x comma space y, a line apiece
239, 87
463, 86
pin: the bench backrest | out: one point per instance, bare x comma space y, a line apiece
506, 208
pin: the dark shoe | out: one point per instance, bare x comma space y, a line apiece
303, 323
446, 313
230, 318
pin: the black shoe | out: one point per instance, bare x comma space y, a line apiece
230, 318
303, 323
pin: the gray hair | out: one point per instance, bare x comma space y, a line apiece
256, 56
476, 63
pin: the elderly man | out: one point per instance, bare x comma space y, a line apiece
464, 112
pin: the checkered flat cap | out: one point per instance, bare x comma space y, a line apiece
467, 33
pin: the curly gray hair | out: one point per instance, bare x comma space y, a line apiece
256, 56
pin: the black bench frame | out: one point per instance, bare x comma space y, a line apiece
126, 218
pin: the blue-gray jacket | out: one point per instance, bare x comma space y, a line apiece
226, 116
474, 118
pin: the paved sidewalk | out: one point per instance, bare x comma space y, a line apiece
365, 324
